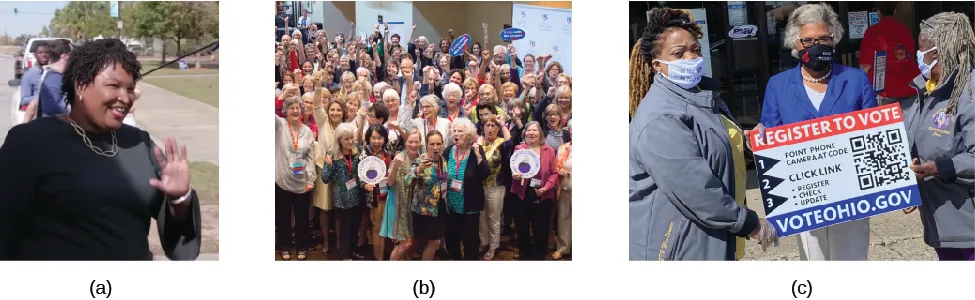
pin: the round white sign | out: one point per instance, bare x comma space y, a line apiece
525, 162
372, 170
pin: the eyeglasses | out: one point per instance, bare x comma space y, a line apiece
808, 42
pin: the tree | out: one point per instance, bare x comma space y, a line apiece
45, 32
174, 20
83, 18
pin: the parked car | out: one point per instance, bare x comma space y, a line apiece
18, 65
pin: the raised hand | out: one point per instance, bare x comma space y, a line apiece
174, 175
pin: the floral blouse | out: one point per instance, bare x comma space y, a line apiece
344, 180
429, 187
492, 153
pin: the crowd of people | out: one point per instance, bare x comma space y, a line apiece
444, 126
681, 184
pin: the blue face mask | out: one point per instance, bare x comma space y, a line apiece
925, 68
685, 73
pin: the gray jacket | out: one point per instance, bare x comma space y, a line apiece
682, 177
947, 208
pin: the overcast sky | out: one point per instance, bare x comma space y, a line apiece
32, 16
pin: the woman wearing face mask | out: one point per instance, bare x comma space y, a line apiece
816, 88
687, 198
397, 220
428, 182
342, 176
941, 132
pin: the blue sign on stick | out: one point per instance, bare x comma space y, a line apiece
459, 45
512, 34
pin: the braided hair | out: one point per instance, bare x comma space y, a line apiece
662, 20
88, 60
952, 33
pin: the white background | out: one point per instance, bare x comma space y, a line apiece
246, 269
555, 31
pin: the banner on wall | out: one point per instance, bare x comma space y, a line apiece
701, 17
547, 31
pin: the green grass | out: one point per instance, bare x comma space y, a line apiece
169, 72
204, 88
205, 178
208, 67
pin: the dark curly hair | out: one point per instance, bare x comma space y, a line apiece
88, 60
647, 48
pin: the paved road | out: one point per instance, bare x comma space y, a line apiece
893, 236
210, 214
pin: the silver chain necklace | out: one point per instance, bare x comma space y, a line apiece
110, 153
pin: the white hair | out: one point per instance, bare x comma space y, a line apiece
432, 100
499, 49
811, 14
465, 125
380, 87
361, 69
452, 89
506, 67
563, 90
422, 38
390, 93
296, 32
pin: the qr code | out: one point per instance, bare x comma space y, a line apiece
880, 159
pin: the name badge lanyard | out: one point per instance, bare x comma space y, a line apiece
457, 160
348, 160
294, 139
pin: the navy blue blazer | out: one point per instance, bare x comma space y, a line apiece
786, 101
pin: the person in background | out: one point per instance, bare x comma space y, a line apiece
563, 163
677, 183
941, 133
800, 94
893, 37
328, 115
31, 80
346, 188
428, 181
429, 106
50, 98
295, 178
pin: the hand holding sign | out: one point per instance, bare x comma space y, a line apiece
372, 170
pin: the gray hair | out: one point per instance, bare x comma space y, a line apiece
811, 14
422, 38
390, 93
565, 89
295, 32
952, 33
452, 89
381, 87
341, 131
524, 134
292, 101
465, 125
432, 100
499, 49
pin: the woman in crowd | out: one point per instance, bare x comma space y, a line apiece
352, 101
307, 117
470, 93
800, 94
376, 195
84, 186
944, 162
427, 179
295, 178
535, 196
429, 106
334, 111
553, 96
554, 136
563, 163
397, 220
466, 171
551, 75
670, 160
490, 220
348, 79
452, 94
346, 193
